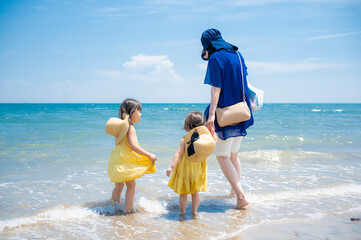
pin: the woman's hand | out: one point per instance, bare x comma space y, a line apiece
210, 124
215, 91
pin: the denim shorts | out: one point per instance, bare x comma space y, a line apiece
228, 146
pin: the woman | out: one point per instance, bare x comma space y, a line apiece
224, 75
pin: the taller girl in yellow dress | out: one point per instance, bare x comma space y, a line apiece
128, 161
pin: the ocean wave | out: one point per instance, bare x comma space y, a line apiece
279, 157
339, 190
331, 110
281, 140
105, 208
143, 204
59, 213
151, 206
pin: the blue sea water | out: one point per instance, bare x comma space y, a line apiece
299, 161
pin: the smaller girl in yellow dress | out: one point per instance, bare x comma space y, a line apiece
189, 164
128, 161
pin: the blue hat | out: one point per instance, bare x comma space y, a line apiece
214, 36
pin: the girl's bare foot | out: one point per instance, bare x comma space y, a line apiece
113, 202
195, 215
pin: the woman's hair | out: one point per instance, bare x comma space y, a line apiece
129, 106
210, 51
194, 119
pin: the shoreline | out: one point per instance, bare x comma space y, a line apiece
335, 226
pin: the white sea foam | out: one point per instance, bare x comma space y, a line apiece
151, 206
339, 190
266, 155
106, 208
4, 184
76, 186
59, 213
333, 110
279, 157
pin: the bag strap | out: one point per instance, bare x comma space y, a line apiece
240, 61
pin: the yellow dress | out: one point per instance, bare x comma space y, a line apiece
126, 165
189, 177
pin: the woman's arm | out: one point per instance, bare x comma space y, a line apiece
176, 158
135, 147
215, 91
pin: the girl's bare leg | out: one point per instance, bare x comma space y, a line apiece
117, 191
182, 203
195, 203
237, 164
129, 196
231, 174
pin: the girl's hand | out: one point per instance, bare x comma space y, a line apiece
152, 157
169, 171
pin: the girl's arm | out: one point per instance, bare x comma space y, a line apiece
135, 147
176, 158
215, 91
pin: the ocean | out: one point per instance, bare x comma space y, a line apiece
300, 163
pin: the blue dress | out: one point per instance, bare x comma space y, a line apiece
224, 71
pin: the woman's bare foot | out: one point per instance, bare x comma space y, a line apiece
232, 194
241, 202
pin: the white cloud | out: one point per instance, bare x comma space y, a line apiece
169, 2
277, 67
109, 9
143, 61
40, 8
145, 68
203, 66
111, 12
7, 54
333, 36
109, 74
256, 2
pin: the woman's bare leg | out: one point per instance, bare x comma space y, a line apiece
232, 176
237, 164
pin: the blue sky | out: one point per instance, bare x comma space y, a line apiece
306, 51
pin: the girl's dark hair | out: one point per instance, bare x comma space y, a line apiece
129, 106
194, 119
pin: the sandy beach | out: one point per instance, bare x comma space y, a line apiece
336, 226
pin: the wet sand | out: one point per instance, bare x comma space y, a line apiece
337, 226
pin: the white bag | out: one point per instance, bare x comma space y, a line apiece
255, 97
